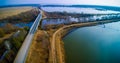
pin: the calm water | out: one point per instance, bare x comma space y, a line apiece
78, 10
94, 44
29, 24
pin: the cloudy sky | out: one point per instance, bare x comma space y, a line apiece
89, 2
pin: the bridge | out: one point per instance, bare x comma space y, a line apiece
23, 52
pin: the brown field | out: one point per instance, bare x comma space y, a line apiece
39, 52
5, 12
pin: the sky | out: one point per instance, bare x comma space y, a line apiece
67, 2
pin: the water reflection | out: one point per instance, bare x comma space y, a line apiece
69, 19
78, 10
94, 44
86, 15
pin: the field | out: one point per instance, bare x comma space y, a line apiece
39, 52
5, 12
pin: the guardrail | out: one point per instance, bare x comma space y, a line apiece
22, 53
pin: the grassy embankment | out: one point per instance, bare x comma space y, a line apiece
39, 49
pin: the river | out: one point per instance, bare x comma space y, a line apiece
94, 44
29, 24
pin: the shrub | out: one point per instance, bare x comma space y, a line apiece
26, 28
2, 33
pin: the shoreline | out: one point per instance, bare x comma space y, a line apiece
57, 43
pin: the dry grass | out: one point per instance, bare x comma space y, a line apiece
5, 12
38, 53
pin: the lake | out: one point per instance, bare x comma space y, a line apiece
94, 44
78, 10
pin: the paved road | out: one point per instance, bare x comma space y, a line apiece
22, 53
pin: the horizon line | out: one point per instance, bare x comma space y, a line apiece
53, 4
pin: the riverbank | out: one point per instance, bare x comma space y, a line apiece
57, 45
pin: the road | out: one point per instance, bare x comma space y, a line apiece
22, 53
54, 51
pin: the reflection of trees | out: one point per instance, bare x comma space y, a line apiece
55, 18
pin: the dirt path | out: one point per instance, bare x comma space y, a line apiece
56, 50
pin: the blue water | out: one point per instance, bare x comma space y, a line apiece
24, 24
94, 44
29, 24
53, 21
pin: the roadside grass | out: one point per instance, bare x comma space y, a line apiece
39, 52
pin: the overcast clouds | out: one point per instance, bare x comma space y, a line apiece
89, 2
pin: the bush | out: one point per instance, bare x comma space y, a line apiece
8, 28
39, 37
2, 33
26, 28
